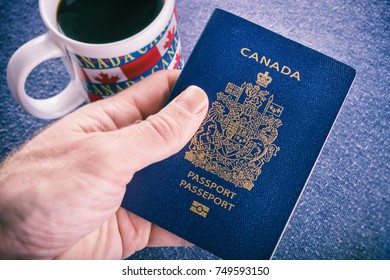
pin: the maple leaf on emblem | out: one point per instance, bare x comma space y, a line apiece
177, 60
171, 35
105, 79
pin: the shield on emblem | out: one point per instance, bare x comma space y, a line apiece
236, 136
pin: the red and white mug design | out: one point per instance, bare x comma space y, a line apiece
97, 70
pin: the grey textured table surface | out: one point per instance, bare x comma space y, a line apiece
344, 212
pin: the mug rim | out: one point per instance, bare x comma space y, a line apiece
161, 20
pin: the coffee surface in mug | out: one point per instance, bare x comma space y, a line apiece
105, 21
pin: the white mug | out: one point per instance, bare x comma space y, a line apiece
96, 70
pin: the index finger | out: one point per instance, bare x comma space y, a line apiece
141, 100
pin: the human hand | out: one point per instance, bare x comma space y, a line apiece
60, 195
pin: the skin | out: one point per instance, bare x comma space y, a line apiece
60, 194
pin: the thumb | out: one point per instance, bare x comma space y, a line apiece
165, 133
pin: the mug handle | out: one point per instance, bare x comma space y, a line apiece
23, 61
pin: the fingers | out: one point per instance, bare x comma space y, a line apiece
160, 237
142, 99
149, 94
137, 102
164, 133
136, 233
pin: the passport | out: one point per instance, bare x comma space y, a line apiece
233, 187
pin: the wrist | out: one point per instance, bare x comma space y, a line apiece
16, 202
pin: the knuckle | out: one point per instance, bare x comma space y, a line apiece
166, 129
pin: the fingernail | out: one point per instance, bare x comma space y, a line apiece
193, 99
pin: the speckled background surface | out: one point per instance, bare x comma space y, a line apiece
344, 212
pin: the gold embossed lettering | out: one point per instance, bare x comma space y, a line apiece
279, 67
255, 56
265, 61
244, 51
285, 70
182, 183
296, 75
229, 193
275, 65
206, 195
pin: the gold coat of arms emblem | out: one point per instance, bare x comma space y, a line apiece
238, 134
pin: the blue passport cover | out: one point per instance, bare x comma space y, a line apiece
233, 187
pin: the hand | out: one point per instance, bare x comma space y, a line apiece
60, 195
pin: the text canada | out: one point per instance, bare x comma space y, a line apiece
279, 67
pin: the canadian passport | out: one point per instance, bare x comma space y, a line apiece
233, 187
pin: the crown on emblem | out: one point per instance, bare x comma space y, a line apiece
263, 79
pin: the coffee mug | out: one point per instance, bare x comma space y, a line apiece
97, 70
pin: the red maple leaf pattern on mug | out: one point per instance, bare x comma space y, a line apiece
105, 79
171, 35
177, 60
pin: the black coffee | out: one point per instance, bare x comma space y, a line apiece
105, 21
